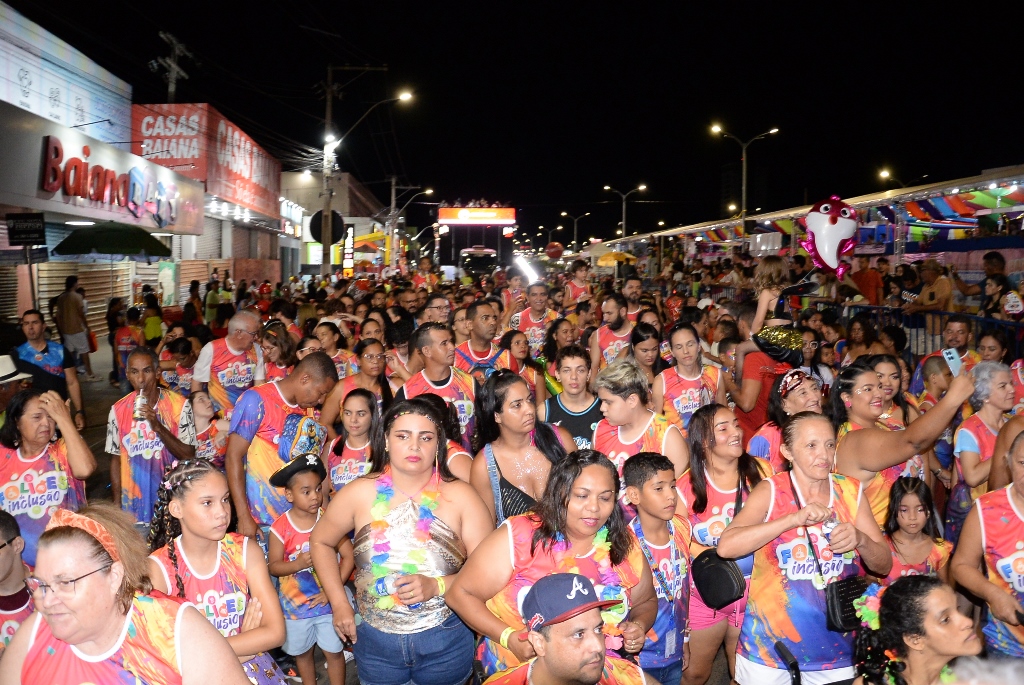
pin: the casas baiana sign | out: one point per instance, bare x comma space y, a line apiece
136, 190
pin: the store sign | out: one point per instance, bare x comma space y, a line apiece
48, 167
26, 229
476, 216
199, 142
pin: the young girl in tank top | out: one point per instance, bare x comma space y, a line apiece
211, 429
912, 533
224, 574
347, 456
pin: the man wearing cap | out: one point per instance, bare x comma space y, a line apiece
935, 296
11, 381
563, 617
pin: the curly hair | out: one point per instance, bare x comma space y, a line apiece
901, 613
551, 509
178, 479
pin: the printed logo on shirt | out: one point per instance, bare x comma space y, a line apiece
1012, 568
237, 374
223, 610
798, 564
7, 631
465, 409
304, 549
707, 532
689, 401
35, 493
347, 471
142, 441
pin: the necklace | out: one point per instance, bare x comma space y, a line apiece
888, 412
384, 590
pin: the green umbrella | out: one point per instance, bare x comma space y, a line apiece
112, 239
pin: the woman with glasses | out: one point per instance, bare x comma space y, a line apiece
370, 376
278, 350
331, 339
870, 451
812, 364
307, 346
44, 462
791, 393
96, 621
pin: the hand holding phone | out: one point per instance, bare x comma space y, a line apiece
952, 358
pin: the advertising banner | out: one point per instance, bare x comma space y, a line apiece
199, 142
476, 216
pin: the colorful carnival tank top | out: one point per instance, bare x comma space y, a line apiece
975, 433
231, 375
14, 610
707, 526
35, 487
346, 363
610, 582
478, 366
146, 652
297, 589
222, 595
350, 464
787, 595
936, 559
276, 372
611, 343
577, 291
767, 444
535, 329
670, 567
1002, 539
212, 445
459, 390
877, 490
683, 396
608, 439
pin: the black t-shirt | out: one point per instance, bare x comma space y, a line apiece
43, 379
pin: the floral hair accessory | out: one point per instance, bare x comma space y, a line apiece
791, 381
63, 517
867, 606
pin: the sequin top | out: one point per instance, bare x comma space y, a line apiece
443, 555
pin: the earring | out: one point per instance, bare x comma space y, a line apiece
848, 404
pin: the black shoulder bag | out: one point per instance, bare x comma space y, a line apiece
719, 581
840, 614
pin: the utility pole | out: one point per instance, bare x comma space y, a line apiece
392, 223
170, 64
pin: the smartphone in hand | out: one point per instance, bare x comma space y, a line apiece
952, 358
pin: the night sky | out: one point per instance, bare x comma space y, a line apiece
542, 104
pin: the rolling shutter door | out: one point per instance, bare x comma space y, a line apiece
95, 278
9, 284
240, 242
189, 270
208, 244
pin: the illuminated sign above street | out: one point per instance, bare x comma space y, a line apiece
476, 216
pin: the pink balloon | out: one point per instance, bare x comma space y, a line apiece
831, 232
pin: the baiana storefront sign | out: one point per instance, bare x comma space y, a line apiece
48, 167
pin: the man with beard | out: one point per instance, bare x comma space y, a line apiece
406, 299
610, 339
632, 289
479, 356
564, 628
534, 321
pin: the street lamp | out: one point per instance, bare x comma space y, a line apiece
743, 147
556, 228
886, 176
575, 219
624, 196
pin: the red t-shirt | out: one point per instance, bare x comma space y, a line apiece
759, 366
868, 282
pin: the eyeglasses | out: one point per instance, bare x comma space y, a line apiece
811, 345
373, 357
442, 307
60, 588
252, 334
311, 349
9, 542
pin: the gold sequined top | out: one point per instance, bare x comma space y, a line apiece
444, 555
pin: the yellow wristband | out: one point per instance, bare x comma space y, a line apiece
440, 586
505, 634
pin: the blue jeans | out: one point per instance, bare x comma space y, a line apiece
442, 655
667, 675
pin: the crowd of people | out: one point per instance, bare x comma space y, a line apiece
515, 482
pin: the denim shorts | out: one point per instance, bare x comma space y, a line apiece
667, 675
301, 634
442, 655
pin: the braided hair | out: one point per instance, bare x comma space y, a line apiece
178, 479
879, 653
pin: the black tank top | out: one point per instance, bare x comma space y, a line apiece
581, 425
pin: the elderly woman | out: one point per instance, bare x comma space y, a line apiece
992, 537
511, 471
579, 528
49, 467
804, 513
415, 526
871, 451
974, 442
96, 623
793, 392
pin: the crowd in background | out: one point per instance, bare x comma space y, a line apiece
726, 455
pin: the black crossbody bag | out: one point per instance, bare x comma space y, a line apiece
719, 581
840, 614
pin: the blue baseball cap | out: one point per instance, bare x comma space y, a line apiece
559, 597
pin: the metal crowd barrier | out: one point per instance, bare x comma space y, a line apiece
916, 327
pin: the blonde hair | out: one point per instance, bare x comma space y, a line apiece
624, 378
130, 547
772, 273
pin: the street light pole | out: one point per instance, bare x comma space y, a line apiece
743, 157
575, 220
624, 196
885, 175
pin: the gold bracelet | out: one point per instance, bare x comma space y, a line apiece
440, 586
505, 634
